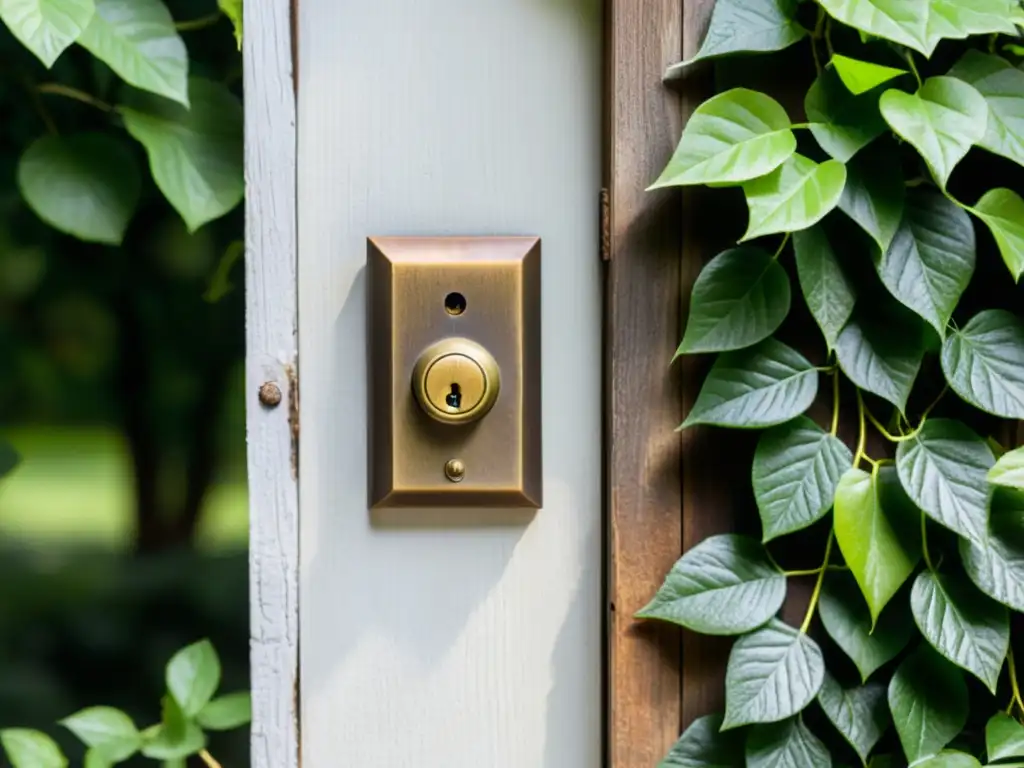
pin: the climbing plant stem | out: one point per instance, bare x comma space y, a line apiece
809, 616
862, 426
210, 761
835, 402
924, 542
58, 89
1015, 699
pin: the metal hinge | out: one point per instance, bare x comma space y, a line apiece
606, 224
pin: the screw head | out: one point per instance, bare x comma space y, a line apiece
270, 394
455, 470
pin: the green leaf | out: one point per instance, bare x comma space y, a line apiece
788, 744
9, 458
233, 10
226, 712
86, 185
962, 624
796, 195
930, 260
1003, 211
726, 585
840, 122
902, 21
172, 718
747, 26
957, 19
220, 284
1002, 86
943, 469
880, 353
193, 674
860, 714
996, 566
861, 76
873, 537
984, 363
740, 298
702, 746
1004, 737
107, 729
1009, 470
941, 121
31, 749
195, 155
95, 758
773, 673
875, 193
46, 27
846, 618
731, 138
758, 387
928, 701
796, 470
950, 759
162, 746
137, 39
828, 292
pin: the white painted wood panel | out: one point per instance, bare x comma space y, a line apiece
449, 645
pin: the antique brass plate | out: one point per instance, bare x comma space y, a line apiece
454, 347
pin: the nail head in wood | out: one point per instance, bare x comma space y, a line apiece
270, 394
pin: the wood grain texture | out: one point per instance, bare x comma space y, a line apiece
270, 288
644, 405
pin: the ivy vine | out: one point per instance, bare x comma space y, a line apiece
897, 205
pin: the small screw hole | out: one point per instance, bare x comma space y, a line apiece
455, 303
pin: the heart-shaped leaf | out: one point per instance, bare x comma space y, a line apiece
109, 730
828, 292
956, 19
796, 470
928, 701
1004, 738
703, 746
902, 21
875, 192
1002, 86
773, 673
996, 566
840, 122
740, 298
46, 27
796, 195
726, 585
1009, 470
1003, 211
930, 260
757, 387
789, 744
881, 352
861, 76
874, 536
26, 748
943, 469
941, 121
860, 714
984, 363
962, 624
730, 138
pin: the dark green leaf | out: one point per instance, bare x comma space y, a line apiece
9, 458
796, 195
861, 76
842, 123
702, 746
928, 701
860, 714
193, 674
161, 745
773, 673
1004, 738
46, 27
1002, 86
740, 298
996, 566
1009, 470
788, 744
1003, 211
757, 387
984, 363
829, 294
31, 749
882, 353
220, 282
875, 192
107, 729
726, 585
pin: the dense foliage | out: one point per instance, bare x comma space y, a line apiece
897, 205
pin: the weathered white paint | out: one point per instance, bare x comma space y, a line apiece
454, 644
270, 286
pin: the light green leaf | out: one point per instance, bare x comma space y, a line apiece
875, 193
788, 744
949, 759
1003, 211
928, 701
861, 76
86, 185
31, 749
874, 537
95, 758
840, 122
1004, 738
702, 746
226, 712
1009, 470
931, 258
962, 624
1002, 86
860, 714
773, 673
757, 387
726, 585
942, 121
195, 155
193, 674
984, 363
162, 745
731, 138
881, 353
943, 469
996, 566
740, 298
796, 470
137, 39
846, 618
747, 26
107, 729
957, 19
233, 10
828, 292
46, 27
796, 195
902, 21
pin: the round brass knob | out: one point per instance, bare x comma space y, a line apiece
456, 381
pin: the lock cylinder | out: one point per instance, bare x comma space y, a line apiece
456, 381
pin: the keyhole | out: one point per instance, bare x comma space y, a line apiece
454, 398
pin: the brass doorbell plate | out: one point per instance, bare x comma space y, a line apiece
454, 348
